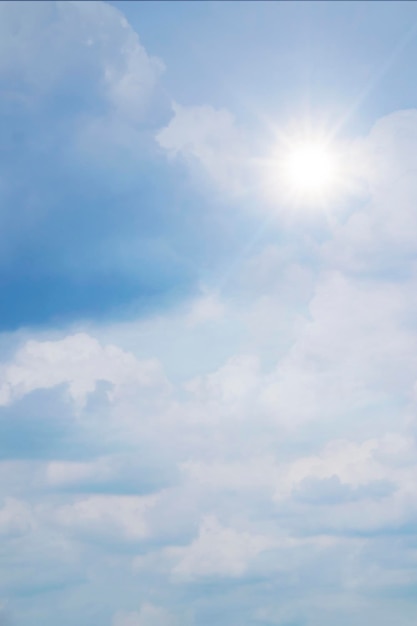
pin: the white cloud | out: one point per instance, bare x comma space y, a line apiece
354, 350
89, 55
55, 41
121, 517
228, 388
380, 234
353, 463
217, 551
79, 361
208, 137
66, 473
252, 474
207, 308
375, 470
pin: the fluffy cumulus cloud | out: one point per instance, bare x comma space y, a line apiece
217, 551
80, 97
78, 360
379, 238
47, 45
210, 138
246, 454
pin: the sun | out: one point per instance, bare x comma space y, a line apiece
306, 170
309, 171
310, 167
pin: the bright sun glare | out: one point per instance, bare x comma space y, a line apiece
310, 170
310, 166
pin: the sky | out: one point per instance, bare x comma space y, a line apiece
208, 366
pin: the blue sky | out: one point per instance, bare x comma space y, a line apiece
207, 373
